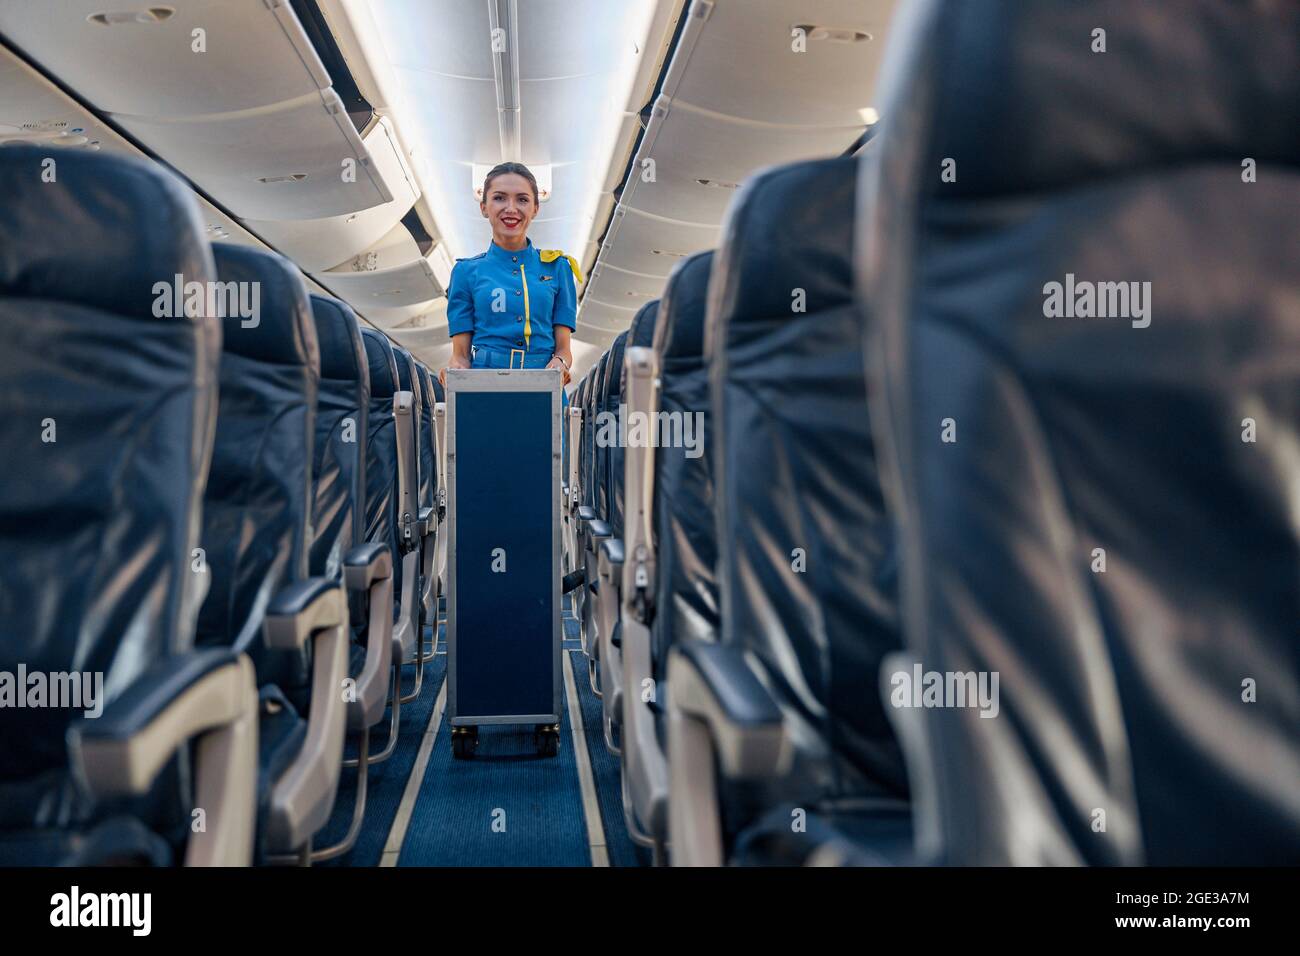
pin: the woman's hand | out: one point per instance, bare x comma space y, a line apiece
562, 362
457, 361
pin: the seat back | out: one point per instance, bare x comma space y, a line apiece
686, 585
428, 440
591, 456
609, 492
257, 503
1088, 360
409, 380
110, 402
807, 581
381, 450
339, 460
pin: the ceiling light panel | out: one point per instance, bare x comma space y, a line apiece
576, 61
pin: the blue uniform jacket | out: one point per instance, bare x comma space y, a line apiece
512, 301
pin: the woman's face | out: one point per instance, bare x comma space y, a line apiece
508, 205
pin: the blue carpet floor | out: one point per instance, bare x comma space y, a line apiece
506, 806
605, 769
387, 781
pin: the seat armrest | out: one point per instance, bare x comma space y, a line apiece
367, 563
369, 568
586, 513
612, 550
209, 696
713, 683
599, 529
302, 796
301, 609
426, 522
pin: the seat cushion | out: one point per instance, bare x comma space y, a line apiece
858, 835
281, 732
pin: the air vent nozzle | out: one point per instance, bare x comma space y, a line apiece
834, 34
115, 18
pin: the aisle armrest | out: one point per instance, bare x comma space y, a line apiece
208, 696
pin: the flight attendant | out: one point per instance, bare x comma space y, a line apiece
513, 306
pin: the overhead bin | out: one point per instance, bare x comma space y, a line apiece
321, 244
601, 317
612, 284
431, 314
703, 157
826, 84
254, 52
414, 282
651, 245
244, 108
283, 163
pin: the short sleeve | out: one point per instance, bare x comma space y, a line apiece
566, 296
460, 299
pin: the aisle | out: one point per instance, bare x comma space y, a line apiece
505, 807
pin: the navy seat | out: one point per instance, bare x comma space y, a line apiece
609, 488
682, 603
686, 584
428, 440
1101, 510
807, 580
392, 510
610, 559
381, 449
430, 481
589, 516
417, 528
339, 460
256, 513
338, 549
110, 398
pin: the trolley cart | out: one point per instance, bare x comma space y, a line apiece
503, 561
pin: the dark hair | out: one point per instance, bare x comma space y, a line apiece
519, 169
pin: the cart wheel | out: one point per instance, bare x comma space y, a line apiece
464, 741
547, 739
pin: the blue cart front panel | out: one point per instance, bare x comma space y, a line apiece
504, 603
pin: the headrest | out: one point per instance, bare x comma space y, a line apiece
426, 384
679, 331
598, 379
98, 231
641, 332
612, 388
786, 247
1021, 97
383, 366
407, 377
263, 305
342, 356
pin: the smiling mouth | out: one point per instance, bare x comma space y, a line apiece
510, 223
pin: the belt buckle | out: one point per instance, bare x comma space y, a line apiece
521, 353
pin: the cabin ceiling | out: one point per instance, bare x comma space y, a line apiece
713, 124
255, 121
